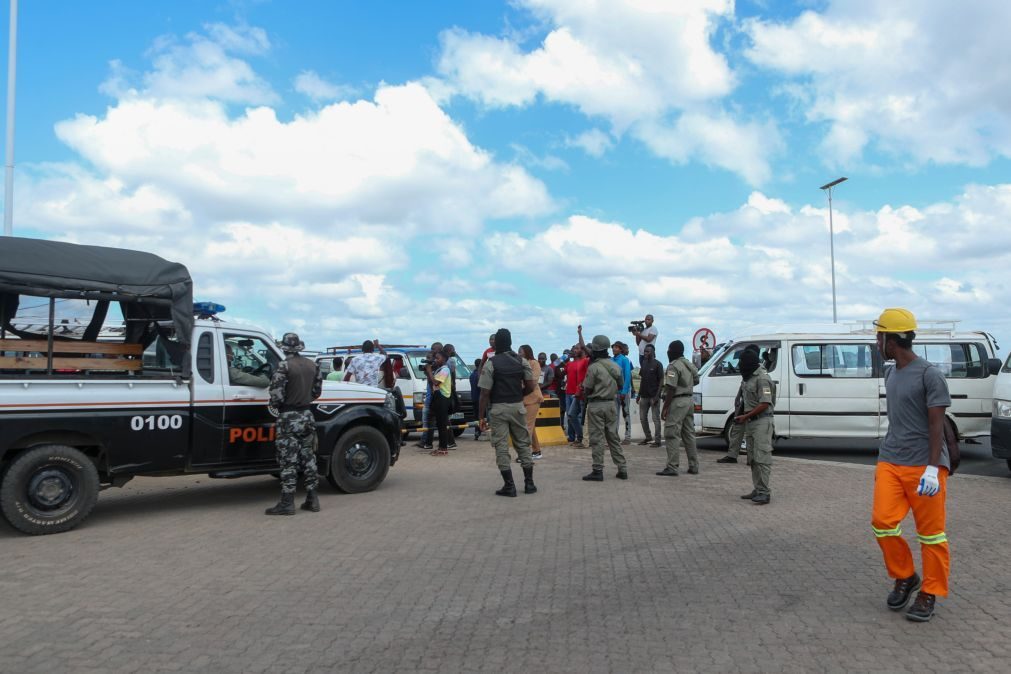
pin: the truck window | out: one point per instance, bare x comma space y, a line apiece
249, 355
839, 361
205, 357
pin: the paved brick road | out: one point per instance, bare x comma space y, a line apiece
433, 572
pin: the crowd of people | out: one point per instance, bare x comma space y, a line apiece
594, 384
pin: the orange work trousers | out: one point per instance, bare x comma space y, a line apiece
894, 495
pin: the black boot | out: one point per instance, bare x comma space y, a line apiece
528, 480
286, 506
509, 488
595, 475
311, 501
622, 474
903, 590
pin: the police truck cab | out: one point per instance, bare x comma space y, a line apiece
173, 390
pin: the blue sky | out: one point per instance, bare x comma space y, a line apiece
424, 170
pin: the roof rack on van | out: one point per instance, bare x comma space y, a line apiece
357, 347
924, 327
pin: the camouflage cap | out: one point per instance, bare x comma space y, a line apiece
291, 343
600, 343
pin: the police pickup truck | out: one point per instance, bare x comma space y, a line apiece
173, 390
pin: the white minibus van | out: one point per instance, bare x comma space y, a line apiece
830, 380
1000, 423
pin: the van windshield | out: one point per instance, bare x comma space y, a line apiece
462, 371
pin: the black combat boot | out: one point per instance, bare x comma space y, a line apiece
595, 475
509, 488
311, 501
528, 480
286, 506
622, 474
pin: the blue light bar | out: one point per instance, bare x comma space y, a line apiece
207, 309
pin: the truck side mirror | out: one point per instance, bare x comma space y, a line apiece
993, 365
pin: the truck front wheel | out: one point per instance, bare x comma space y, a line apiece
49, 489
360, 460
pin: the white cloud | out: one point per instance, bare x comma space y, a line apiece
397, 162
647, 66
917, 79
200, 67
593, 142
309, 83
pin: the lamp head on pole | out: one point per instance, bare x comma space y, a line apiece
832, 184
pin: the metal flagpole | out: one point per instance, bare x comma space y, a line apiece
12, 69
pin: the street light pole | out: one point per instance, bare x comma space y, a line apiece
12, 69
831, 238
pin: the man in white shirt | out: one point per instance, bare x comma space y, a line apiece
646, 336
365, 366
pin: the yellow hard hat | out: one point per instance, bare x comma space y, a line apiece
895, 320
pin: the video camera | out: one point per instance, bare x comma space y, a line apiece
636, 326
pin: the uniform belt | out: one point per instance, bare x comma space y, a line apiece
682, 395
762, 415
293, 408
600, 400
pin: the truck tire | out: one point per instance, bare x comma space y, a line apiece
49, 489
360, 461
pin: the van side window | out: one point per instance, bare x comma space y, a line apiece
956, 361
729, 364
839, 361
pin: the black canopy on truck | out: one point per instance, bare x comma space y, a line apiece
148, 288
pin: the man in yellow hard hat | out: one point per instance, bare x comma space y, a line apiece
913, 467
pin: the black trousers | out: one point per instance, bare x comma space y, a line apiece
440, 412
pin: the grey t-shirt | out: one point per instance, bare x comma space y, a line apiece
911, 390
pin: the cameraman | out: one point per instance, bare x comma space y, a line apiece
645, 336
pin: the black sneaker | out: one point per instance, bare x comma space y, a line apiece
645, 442
761, 499
750, 495
727, 459
668, 472
451, 445
422, 445
922, 609
903, 590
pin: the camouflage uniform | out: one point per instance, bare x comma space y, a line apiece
296, 440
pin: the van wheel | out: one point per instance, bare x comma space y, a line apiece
49, 489
726, 433
457, 432
1009, 464
360, 461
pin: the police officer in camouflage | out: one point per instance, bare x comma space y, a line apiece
296, 383
505, 379
678, 411
758, 397
601, 385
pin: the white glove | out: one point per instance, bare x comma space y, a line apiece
929, 484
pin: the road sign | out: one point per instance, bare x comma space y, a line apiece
704, 339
